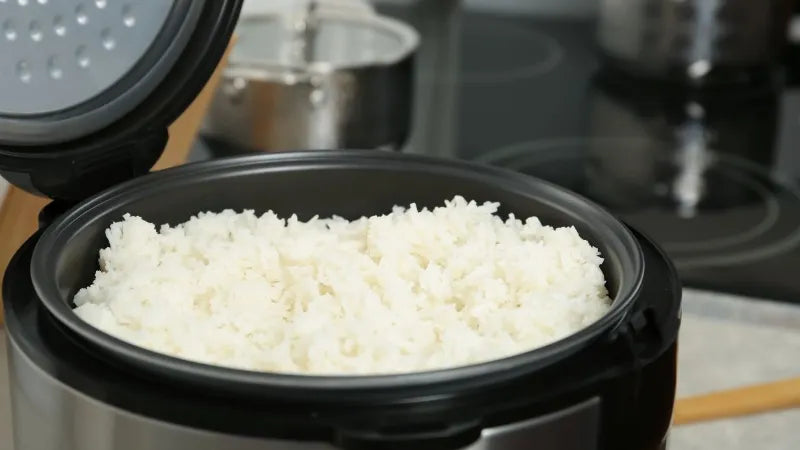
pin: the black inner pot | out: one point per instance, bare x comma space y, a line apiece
346, 183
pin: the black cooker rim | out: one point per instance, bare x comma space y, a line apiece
56, 236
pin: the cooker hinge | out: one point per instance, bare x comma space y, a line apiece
641, 336
639, 341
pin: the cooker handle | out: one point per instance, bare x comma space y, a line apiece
438, 437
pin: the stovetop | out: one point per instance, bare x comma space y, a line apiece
710, 175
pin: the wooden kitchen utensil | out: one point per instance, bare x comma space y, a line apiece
754, 399
19, 211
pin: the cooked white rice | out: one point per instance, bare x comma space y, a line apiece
408, 291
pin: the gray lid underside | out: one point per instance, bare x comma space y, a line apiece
69, 67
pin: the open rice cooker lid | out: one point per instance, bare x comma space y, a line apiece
89, 88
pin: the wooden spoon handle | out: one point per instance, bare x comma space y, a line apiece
760, 398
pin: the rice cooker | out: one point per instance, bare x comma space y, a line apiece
88, 91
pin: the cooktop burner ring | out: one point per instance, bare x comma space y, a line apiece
773, 211
525, 53
725, 250
770, 249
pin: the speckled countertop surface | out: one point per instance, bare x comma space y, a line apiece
725, 342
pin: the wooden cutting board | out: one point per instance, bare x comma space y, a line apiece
20, 210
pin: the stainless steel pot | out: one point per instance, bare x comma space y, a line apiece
693, 40
338, 78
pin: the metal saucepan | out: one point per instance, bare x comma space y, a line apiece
332, 78
694, 41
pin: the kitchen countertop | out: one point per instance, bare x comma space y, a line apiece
728, 341
725, 342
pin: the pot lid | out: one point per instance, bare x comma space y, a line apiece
74, 74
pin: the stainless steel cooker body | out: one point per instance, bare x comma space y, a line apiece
49, 415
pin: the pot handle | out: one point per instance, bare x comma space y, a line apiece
423, 437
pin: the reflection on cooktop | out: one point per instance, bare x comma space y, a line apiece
706, 209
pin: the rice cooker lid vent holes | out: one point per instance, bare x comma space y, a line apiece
89, 87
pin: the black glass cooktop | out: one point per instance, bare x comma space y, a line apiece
711, 175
